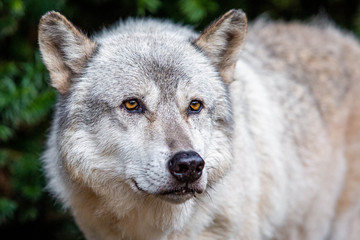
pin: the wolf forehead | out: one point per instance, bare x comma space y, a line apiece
129, 60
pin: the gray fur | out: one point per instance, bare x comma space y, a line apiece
279, 130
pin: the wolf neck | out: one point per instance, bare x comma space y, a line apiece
149, 218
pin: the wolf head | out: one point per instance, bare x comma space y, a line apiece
143, 107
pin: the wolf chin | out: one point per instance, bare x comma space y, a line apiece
163, 133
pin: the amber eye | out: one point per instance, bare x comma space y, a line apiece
195, 106
132, 105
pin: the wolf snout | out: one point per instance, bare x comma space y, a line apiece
186, 167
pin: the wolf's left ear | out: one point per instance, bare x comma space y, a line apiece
221, 41
65, 50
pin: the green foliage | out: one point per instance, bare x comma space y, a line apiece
196, 10
149, 5
11, 11
26, 100
7, 208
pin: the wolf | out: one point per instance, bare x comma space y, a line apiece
161, 132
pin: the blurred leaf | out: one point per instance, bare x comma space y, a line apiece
36, 8
17, 7
7, 209
285, 4
29, 214
11, 12
148, 5
5, 132
196, 10
32, 192
3, 157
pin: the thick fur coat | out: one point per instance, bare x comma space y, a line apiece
273, 116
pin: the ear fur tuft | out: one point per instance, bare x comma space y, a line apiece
221, 41
65, 50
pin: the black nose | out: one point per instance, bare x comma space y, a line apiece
186, 166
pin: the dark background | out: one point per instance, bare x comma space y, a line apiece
26, 100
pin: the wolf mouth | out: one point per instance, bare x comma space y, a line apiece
137, 186
176, 191
179, 191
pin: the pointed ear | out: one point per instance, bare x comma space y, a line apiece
65, 50
221, 41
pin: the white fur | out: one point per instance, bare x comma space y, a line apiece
274, 167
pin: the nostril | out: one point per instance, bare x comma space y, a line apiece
182, 168
178, 166
200, 167
186, 166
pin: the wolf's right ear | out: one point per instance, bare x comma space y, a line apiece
222, 40
65, 50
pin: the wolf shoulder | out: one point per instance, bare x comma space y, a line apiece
312, 50
317, 57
